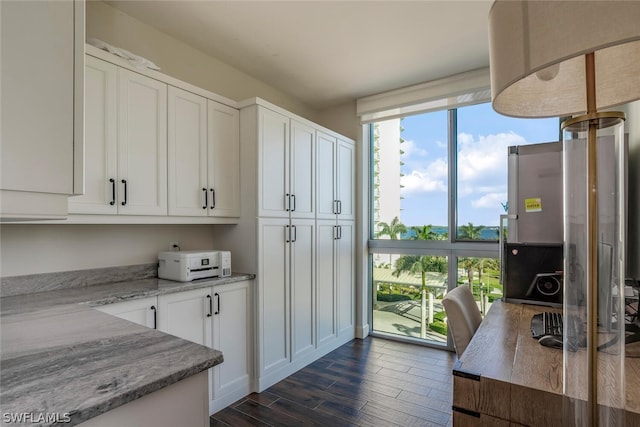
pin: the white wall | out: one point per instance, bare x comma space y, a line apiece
39, 248
180, 60
34, 248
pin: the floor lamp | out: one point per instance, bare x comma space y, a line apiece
576, 59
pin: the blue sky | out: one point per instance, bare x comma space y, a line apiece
483, 138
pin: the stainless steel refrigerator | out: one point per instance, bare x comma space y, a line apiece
532, 256
535, 193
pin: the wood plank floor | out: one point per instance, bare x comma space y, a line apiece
370, 382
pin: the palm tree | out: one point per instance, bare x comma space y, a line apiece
469, 232
424, 233
470, 265
421, 264
392, 230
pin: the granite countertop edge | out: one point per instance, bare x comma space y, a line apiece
56, 337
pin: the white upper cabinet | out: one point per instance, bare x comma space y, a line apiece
345, 181
335, 189
42, 85
187, 141
287, 166
157, 151
204, 156
223, 159
302, 171
101, 79
142, 144
273, 163
126, 143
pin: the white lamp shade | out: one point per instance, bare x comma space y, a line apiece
537, 53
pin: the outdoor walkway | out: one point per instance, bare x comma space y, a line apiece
403, 318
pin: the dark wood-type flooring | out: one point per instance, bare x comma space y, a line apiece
370, 382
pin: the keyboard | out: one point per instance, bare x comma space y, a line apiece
551, 323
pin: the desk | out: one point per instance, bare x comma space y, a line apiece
506, 378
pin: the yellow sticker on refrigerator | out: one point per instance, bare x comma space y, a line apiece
533, 205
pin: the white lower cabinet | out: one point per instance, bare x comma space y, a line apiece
187, 315
231, 380
218, 317
142, 311
286, 299
335, 280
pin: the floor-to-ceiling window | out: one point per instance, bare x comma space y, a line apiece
438, 188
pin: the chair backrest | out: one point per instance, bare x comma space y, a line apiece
463, 316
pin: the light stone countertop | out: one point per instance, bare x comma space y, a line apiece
59, 355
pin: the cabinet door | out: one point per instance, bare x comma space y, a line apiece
37, 85
345, 277
187, 153
273, 294
232, 305
273, 164
302, 284
326, 281
142, 311
142, 145
302, 170
223, 160
100, 140
187, 315
345, 185
325, 163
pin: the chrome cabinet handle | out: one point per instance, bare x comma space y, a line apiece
287, 202
124, 202
293, 196
287, 234
113, 191
295, 233
218, 301
213, 198
210, 305
339, 206
206, 201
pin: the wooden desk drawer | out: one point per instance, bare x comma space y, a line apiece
461, 419
481, 395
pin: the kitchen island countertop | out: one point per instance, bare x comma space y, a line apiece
60, 356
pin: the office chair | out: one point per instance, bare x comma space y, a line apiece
463, 316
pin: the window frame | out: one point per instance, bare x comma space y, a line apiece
452, 248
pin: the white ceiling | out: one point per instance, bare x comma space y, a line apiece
329, 52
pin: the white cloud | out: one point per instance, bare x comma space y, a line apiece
485, 157
490, 200
411, 150
482, 169
432, 179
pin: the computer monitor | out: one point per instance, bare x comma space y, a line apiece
533, 273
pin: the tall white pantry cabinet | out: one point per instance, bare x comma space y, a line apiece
303, 260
